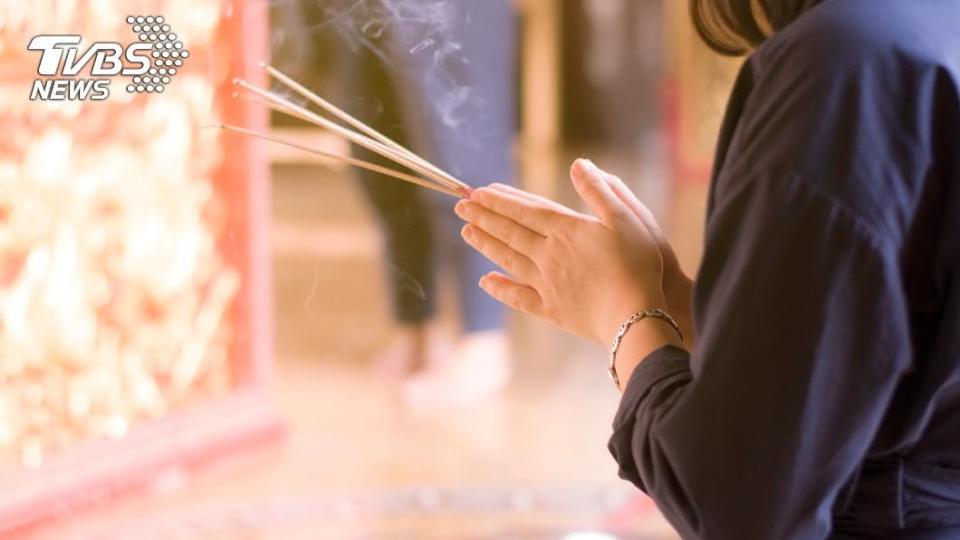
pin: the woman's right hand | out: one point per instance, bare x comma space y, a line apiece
677, 287
584, 273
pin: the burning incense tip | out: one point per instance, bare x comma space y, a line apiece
263, 64
237, 80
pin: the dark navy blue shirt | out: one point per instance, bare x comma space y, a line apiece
823, 396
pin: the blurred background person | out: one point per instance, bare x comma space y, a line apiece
439, 78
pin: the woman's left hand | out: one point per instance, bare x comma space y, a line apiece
586, 274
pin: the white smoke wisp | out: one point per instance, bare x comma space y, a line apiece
420, 37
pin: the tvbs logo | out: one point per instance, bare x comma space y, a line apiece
149, 64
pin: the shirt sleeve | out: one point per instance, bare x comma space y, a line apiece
802, 342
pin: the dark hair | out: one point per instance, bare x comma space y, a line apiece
735, 27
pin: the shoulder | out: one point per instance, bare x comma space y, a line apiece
837, 36
842, 99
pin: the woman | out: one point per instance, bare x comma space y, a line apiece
821, 399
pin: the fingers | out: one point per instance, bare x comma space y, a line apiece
640, 210
515, 295
534, 198
623, 192
593, 188
536, 217
509, 232
630, 200
501, 254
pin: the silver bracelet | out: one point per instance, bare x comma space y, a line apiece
655, 313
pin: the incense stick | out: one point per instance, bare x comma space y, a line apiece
346, 117
344, 159
273, 107
289, 107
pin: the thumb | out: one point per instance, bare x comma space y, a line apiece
591, 185
645, 216
636, 206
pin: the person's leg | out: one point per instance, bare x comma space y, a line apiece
403, 214
466, 84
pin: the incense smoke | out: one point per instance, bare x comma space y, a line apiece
419, 39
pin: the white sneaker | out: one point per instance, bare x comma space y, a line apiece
478, 368
406, 353
413, 350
